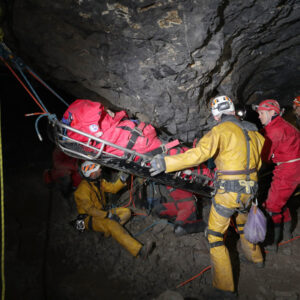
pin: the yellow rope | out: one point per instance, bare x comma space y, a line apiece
2, 216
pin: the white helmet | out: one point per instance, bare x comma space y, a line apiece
88, 167
221, 104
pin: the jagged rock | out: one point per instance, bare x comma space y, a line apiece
164, 60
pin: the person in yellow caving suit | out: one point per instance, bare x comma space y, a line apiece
90, 201
235, 146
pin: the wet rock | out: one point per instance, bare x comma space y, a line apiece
162, 60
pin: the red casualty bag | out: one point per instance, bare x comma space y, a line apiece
130, 134
83, 115
91, 117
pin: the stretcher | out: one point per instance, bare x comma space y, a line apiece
131, 162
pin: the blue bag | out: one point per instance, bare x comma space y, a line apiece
256, 226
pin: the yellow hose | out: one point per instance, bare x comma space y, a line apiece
2, 216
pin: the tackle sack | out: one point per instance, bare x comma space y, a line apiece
256, 226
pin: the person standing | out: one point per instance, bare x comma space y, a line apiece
235, 146
282, 147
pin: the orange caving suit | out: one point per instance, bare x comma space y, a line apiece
226, 143
90, 199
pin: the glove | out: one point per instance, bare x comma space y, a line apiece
114, 217
158, 164
123, 176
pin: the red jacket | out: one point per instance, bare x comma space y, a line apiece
282, 141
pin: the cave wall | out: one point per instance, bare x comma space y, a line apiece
162, 60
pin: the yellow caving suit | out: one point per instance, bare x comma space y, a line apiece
226, 143
90, 199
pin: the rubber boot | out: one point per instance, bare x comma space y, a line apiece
190, 228
274, 247
287, 235
147, 249
287, 231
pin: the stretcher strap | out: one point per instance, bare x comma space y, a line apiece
135, 133
164, 148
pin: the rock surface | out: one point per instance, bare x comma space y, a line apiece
162, 60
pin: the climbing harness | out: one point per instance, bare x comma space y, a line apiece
247, 186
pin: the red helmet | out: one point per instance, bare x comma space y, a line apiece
297, 101
269, 104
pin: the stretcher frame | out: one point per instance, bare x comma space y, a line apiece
192, 182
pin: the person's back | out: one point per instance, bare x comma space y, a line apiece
226, 142
232, 150
282, 141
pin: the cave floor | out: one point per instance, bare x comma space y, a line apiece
50, 260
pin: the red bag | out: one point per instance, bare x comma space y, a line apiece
84, 115
121, 133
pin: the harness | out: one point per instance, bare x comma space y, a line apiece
240, 187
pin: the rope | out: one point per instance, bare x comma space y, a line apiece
192, 278
130, 194
32, 89
150, 226
33, 74
2, 217
209, 267
24, 86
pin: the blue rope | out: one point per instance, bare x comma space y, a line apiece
150, 226
49, 88
51, 117
32, 89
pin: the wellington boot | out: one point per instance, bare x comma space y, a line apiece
179, 231
287, 231
274, 247
258, 265
147, 249
190, 228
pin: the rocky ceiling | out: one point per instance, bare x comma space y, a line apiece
162, 60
